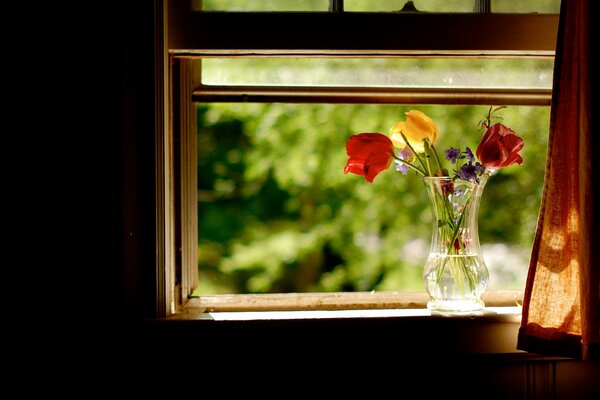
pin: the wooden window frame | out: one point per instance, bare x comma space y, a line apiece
185, 36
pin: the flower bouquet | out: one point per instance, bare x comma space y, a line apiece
455, 274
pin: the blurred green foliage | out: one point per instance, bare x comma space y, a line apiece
278, 214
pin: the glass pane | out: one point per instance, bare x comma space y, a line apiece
530, 6
454, 6
448, 6
278, 214
382, 72
260, 5
419, 5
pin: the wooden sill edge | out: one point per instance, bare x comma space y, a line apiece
393, 303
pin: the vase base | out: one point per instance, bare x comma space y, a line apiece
455, 305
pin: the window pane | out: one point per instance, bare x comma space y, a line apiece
261, 5
458, 6
278, 214
447, 6
530, 6
381, 72
420, 5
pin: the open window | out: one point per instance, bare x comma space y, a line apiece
330, 61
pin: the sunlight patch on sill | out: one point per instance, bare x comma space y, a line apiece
507, 314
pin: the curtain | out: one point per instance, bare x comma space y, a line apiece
561, 309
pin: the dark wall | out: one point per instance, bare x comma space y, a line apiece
130, 107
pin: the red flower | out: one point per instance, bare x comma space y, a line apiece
368, 154
499, 147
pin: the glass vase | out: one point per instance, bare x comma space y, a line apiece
455, 274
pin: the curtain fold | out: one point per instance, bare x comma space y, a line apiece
561, 309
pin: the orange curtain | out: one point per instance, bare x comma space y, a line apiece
561, 309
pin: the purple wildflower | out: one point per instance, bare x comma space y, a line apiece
401, 167
452, 154
405, 154
468, 172
479, 167
470, 155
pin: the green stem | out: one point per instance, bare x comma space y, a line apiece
427, 149
457, 228
455, 232
427, 172
437, 160
419, 170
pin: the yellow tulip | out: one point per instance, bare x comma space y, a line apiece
418, 126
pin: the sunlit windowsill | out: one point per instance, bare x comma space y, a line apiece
339, 304
400, 316
501, 306
374, 317
506, 314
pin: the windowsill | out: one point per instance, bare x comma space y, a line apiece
496, 314
385, 318
413, 334
390, 300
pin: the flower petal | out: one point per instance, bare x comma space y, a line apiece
368, 154
417, 127
499, 147
395, 136
422, 125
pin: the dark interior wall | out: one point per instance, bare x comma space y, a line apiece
131, 105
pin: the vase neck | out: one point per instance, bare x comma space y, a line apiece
454, 208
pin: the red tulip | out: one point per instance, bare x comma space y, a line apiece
499, 147
368, 154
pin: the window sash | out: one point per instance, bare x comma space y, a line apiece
276, 34
196, 35
375, 34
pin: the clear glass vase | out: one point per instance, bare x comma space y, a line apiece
455, 274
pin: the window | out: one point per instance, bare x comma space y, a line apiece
467, 39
